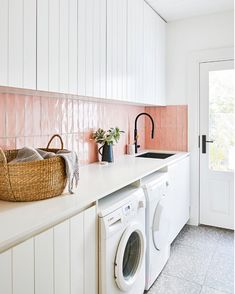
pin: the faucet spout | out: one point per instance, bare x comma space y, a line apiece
136, 132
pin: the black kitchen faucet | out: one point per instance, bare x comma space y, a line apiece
135, 130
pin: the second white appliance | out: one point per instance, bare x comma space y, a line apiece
157, 225
122, 242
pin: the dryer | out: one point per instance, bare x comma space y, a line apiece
122, 242
157, 225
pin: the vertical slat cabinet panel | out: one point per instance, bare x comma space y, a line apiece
110, 45
99, 48
16, 49
131, 51
44, 271
161, 61
21, 43
122, 49
90, 252
77, 254
81, 47
73, 43
29, 78
64, 46
135, 54
116, 49
140, 51
154, 57
62, 258
4, 42
89, 39
43, 45
150, 55
54, 45
23, 268
103, 48
5, 273
147, 54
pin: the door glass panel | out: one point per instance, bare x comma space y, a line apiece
131, 257
221, 120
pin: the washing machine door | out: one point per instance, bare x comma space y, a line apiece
129, 257
160, 226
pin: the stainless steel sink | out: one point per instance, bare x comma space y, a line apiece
155, 155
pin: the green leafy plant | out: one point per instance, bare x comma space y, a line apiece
107, 137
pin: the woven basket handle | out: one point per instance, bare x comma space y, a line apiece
3, 158
52, 138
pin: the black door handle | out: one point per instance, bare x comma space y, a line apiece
204, 141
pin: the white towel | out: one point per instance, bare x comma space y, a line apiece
27, 154
71, 163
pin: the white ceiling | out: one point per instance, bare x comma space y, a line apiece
172, 10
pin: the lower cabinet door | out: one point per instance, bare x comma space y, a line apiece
5, 273
44, 263
178, 196
77, 254
90, 252
23, 268
61, 260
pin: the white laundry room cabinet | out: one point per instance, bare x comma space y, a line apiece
18, 43
178, 196
154, 57
53, 262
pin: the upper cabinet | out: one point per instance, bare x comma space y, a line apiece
18, 43
92, 48
57, 46
135, 51
111, 49
117, 49
154, 57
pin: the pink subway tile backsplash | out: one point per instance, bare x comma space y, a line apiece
32, 120
171, 128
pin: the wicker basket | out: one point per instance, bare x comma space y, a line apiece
34, 180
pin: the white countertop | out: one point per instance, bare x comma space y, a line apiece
20, 221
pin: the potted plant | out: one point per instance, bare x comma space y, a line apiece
107, 139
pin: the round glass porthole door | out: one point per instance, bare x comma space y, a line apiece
129, 257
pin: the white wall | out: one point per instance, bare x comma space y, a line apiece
186, 36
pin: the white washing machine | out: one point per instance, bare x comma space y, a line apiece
157, 226
122, 242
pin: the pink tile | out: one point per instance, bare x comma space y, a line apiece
8, 143
10, 115
36, 116
2, 115
45, 118
75, 116
29, 118
171, 116
70, 115
20, 115
32, 120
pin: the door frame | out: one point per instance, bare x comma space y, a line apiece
193, 91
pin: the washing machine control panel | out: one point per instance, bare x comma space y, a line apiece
128, 209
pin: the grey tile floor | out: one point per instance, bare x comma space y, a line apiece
201, 262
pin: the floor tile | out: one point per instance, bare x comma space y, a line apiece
207, 290
226, 242
201, 237
188, 263
220, 274
171, 285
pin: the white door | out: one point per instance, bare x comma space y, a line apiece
217, 146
